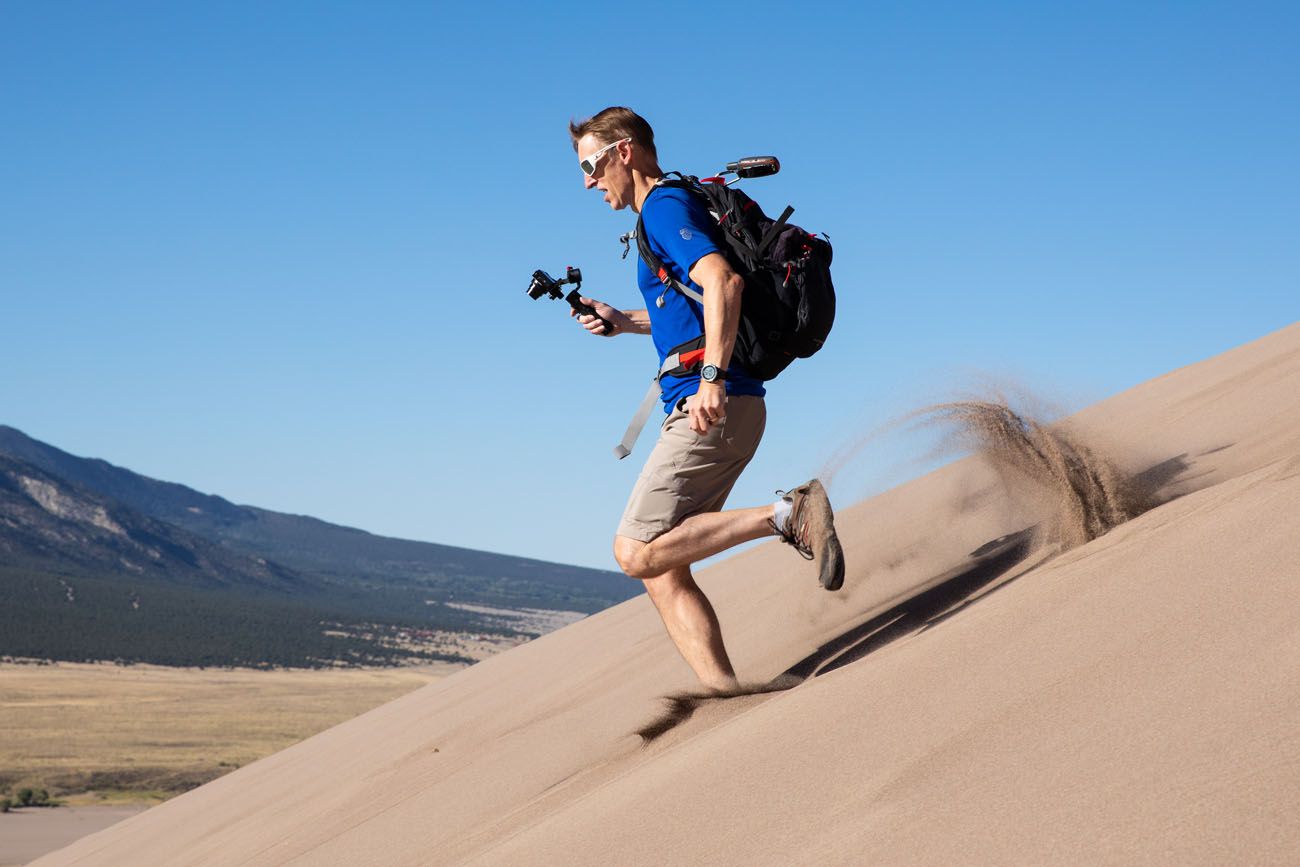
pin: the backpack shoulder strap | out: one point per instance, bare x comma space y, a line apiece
648, 256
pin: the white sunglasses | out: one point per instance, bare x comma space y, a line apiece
589, 164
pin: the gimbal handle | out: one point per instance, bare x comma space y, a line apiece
575, 301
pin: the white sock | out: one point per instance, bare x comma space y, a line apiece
781, 510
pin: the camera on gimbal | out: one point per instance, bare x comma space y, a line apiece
544, 284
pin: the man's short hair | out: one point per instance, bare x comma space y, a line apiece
614, 123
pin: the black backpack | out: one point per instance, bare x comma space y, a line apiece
788, 304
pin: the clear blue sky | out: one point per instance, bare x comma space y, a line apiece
277, 251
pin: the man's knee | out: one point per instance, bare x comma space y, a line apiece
630, 554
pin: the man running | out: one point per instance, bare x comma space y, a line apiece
715, 411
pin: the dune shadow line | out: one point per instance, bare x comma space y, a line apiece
952, 593
957, 589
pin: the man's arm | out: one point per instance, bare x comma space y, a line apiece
722, 288
624, 321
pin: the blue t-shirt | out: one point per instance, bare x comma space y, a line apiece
681, 232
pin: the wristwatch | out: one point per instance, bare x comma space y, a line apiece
712, 373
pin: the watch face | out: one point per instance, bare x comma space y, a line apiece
709, 372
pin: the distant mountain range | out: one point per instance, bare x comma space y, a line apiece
64, 517
48, 522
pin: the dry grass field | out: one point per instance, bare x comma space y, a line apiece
95, 733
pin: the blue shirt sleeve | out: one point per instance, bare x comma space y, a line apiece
680, 231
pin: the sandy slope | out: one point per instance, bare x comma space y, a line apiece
1133, 700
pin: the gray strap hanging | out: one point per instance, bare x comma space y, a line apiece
652, 396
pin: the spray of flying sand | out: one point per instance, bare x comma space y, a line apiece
1078, 492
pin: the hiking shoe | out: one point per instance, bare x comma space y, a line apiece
811, 531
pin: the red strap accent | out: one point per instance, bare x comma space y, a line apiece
692, 358
663, 276
712, 180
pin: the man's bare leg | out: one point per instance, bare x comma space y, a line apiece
692, 540
692, 625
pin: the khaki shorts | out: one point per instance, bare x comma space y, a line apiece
687, 473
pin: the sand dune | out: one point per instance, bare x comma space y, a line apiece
969, 697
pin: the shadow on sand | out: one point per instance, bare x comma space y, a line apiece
960, 588
951, 592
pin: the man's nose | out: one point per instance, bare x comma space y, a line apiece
588, 182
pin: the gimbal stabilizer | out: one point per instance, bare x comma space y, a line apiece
544, 284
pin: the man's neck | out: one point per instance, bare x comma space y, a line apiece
642, 184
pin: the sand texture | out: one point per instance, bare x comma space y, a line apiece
976, 694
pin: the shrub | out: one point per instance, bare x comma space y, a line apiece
28, 797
